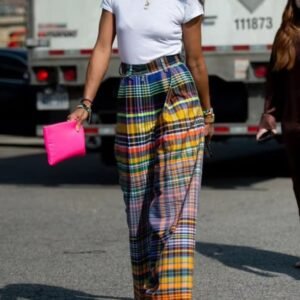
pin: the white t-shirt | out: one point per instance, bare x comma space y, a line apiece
146, 34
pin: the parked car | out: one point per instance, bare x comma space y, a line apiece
17, 38
17, 96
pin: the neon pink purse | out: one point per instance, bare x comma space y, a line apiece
63, 141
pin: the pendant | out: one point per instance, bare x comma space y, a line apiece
147, 4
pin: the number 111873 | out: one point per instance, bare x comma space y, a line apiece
254, 23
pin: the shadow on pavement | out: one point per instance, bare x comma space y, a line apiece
243, 171
34, 170
248, 259
44, 292
221, 173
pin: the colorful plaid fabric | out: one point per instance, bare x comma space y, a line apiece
159, 150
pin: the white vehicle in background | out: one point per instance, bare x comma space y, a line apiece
237, 39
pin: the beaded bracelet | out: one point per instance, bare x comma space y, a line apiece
86, 100
87, 109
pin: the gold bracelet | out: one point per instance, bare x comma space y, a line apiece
209, 111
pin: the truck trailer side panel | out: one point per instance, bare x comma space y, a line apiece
237, 40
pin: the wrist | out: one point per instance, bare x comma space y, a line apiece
87, 101
208, 111
85, 105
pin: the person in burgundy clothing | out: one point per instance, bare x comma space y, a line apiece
283, 91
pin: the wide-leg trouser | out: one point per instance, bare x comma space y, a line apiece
292, 144
159, 151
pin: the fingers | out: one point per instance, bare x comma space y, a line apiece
260, 133
79, 115
208, 131
70, 117
81, 118
73, 117
78, 125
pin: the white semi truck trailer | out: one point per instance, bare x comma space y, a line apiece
237, 40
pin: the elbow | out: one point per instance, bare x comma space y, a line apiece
103, 49
196, 64
101, 54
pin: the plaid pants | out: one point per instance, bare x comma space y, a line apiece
159, 151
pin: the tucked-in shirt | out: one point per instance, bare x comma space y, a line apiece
148, 32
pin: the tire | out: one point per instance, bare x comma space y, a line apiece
107, 154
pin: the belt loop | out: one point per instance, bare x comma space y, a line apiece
128, 71
121, 70
163, 63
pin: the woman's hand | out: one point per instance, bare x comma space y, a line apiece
79, 115
209, 131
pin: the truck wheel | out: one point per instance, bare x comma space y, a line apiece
279, 139
107, 151
93, 143
230, 100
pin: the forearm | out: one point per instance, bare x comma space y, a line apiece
271, 94
199, 72
273, 82
269, 107
96, 70
196, 64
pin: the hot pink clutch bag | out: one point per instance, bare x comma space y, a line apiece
63, 141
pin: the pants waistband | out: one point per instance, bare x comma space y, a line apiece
162, 63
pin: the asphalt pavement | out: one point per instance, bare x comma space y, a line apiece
63, 233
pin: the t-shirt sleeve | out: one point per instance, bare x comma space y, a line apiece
107, 5
192, 9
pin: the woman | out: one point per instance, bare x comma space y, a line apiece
160, 133
283, 93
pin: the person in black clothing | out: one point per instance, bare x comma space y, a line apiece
282, 101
